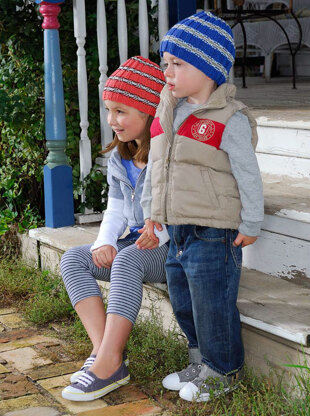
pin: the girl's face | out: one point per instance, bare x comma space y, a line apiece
127, 122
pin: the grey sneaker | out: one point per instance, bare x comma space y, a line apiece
88, 363
90, 387
209, 384
176, 381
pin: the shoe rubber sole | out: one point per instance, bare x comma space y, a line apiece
168, 386
205, 397
77, 374
85, 397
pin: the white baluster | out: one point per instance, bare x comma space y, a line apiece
143, 29
105, 129
122, 31
206, 5
80, 35
163, 25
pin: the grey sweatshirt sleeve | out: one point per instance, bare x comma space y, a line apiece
146, 197
236, 142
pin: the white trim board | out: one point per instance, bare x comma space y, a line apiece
278, 255
284, 225
295, 167
283, 141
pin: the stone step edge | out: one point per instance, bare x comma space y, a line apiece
299, 338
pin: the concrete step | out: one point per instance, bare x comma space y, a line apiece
283, 154
275, 312
283, 248
277, 306
283, 141
275, 317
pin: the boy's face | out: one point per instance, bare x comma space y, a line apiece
185, 80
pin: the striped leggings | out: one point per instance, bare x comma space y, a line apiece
131, 267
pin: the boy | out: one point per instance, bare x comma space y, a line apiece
206, 186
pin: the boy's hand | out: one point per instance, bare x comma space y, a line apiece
104, 256
245, 240
148, 239
145, 242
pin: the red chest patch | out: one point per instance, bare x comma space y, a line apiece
203, 130
156, 128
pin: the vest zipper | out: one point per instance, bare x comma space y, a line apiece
133, 192
167, 170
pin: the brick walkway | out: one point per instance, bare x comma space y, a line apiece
34, 367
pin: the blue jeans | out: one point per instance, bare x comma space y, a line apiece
203, 272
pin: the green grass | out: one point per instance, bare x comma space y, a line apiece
41, 295
42, 298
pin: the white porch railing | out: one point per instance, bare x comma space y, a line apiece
103, 44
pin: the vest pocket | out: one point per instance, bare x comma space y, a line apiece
209, 187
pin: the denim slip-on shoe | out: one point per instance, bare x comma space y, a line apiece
176, 381
88, 363
209, 384
90, 387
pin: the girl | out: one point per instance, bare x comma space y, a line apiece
131, 95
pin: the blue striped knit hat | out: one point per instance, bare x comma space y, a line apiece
205, 41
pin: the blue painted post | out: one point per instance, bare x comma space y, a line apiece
180, 9
58, 187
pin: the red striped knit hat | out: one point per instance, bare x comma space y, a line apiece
137, 83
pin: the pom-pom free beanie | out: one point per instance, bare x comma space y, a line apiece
205, 41
136, 83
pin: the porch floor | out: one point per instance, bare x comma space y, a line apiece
277, 94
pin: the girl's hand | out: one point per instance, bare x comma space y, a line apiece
104, 256
245, 240
148, 239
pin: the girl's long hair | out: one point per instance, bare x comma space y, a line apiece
130, 150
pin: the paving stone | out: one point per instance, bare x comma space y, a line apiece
35, 411
3, 369
55, 370
15, 334
26, 342
16, 385
6, 311
13, 320
24, 358
126, 394
140, 408
53, 382
33, 400
54, 351
78, 407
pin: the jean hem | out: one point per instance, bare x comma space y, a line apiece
192, 346
230, 373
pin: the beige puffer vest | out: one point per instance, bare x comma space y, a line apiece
192, 182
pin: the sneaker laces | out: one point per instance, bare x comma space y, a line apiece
191, 369
88, 363
85, 380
